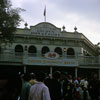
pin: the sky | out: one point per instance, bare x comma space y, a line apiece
84, 14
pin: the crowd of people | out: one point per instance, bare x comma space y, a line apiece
40, 86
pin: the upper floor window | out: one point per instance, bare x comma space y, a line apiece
45, 50
32, 50
70, 51
58, 50
18, 48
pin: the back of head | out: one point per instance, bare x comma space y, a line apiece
26, 77
40, 76
32, 76
56, 74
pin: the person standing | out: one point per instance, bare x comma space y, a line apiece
25, 87
39, 91
67, 88
94, 88
55, 88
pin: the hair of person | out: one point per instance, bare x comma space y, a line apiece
40, 76
56, 74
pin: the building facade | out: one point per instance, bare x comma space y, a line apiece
48, 48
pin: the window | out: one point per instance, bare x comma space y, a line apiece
32, 50
18, 50
58, 50
45, 50
70, 51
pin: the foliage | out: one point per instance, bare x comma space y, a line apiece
9, 20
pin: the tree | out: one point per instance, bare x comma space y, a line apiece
9, 20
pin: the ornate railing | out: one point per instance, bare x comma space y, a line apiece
88, 60
18, 57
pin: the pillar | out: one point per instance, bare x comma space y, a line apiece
51, 72
24, 69
76, 72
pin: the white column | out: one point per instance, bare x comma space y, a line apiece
76, 72
51, 72
24, 69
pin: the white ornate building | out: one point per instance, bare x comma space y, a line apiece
46, 47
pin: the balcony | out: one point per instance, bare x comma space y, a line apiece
88, 60
9, 57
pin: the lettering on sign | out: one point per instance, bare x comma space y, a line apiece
45, 31
56, 62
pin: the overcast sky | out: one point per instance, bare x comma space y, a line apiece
84, 14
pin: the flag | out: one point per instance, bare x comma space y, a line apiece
45, 11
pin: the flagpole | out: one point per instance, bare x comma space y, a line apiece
45, 14
45, 18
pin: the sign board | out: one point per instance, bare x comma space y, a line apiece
45, 29
52, 55
50, 62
